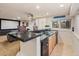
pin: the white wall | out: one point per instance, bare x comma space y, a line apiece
72, 22
41, 23
30, 24
44, 21
49, 21
76, 24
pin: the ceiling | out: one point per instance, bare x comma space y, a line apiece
14, 10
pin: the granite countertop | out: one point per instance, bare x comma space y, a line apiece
25, 36
47, 34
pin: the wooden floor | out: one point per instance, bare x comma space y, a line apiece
7, 48
68, 44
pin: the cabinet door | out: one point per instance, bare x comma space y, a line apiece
52, 43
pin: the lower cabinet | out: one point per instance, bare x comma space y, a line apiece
47, 45
51, 43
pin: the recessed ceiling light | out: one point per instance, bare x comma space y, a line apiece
37, 7
61, 5
47, 13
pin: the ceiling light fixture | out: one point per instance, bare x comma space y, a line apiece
18, 18
47, 13
61, 5
37, 7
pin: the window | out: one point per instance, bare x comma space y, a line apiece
60, 22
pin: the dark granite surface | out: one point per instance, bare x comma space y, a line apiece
25, 36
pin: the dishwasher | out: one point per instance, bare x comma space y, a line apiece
44, 46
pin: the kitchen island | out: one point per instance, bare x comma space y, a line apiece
31, 42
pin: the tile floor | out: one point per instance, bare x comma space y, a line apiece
68, 44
